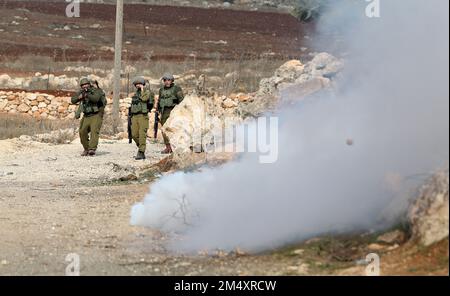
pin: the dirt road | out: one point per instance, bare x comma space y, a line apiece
53, 203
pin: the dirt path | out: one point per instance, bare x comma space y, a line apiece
53, 203
61, 165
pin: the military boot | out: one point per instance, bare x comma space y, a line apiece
168, 149
85, 153
92, 152
140, 156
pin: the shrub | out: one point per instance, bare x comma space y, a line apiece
309, 10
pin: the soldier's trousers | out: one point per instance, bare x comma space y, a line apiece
164, 117
139, 128
90, 131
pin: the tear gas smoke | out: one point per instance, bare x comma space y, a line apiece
345, 159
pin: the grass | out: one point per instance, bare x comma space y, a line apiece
30, 63
241, 75
13, 126
16, 125
222, 76
329, 253
247, 71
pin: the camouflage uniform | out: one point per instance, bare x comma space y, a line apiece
142, 104
169, 97
92, 105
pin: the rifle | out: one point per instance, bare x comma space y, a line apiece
130, 136
155, 126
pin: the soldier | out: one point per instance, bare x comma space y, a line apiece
170, 95
92, 104
141, 104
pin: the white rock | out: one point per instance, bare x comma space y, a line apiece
429, 214
393, 237
31, 96
23, 108
191, 124
229, 103
3, 104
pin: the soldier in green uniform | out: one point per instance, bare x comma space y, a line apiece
141, 104
170, 95
92, 103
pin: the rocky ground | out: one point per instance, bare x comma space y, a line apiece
53, 202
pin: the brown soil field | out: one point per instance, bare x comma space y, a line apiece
150, 32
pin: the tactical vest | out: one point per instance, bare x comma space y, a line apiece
168, 97
138, 106
89, 108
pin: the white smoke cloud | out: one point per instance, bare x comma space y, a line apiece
393, 102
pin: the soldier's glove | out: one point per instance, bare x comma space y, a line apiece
90, 92
82, 96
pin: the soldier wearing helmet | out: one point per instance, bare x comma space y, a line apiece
142, 103
92, 102
170, 95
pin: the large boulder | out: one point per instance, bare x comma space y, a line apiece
323, 65
429, 213
293, 81
303, 89
196, 124
284, 75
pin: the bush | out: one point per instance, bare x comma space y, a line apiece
309, 10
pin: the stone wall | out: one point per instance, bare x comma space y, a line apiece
36, 104
46, 106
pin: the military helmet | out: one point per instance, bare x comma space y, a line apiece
84, 81
168, 76
139, 80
